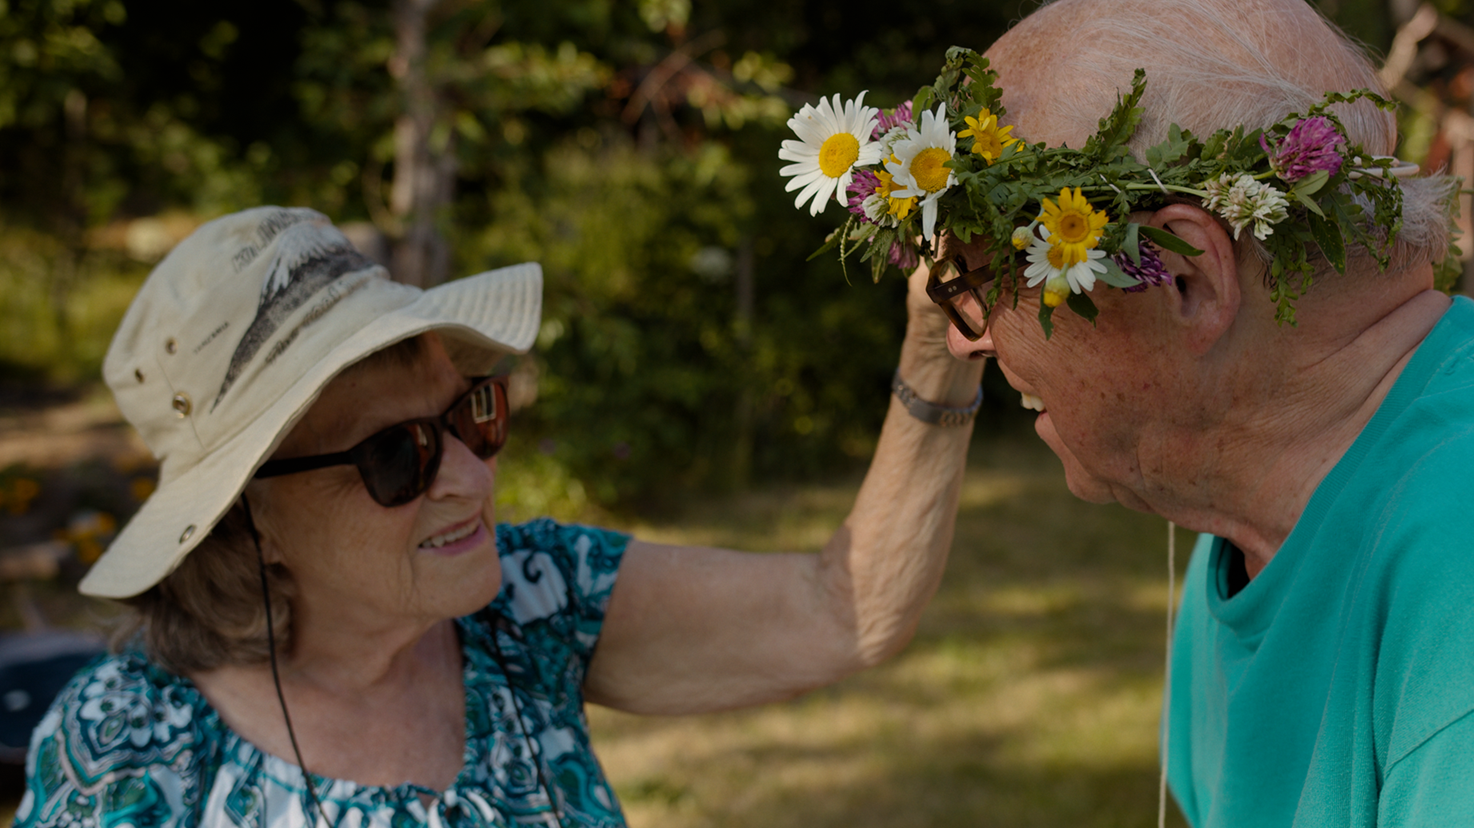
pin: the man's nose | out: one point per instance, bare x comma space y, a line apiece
962, 347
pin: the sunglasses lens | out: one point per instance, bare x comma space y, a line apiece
398, 464
480, 418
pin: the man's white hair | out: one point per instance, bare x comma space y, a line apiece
1214, 64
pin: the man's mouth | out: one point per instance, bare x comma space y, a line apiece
1033, 403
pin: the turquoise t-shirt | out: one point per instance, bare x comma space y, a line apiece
128, 744
1336, 688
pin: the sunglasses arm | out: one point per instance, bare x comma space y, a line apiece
292, 465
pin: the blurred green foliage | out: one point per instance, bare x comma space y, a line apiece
629, 146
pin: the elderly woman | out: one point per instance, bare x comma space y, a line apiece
329, 628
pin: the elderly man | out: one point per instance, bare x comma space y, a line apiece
1323, 670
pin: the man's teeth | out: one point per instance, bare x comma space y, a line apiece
451, 537
1033, 403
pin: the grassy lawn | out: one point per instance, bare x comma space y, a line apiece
1029, 698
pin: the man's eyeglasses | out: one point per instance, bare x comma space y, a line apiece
399, 463
948, 283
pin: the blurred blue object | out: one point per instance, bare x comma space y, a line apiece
34, 667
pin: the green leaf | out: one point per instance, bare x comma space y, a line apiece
829, 244
1115, 277
1307, 202
1328, 238
1080, 303
1045, 312
1118, 127
1311, 184
1131, 243
1169, 151
923, 101
878, 265
1447, 272
1167, 241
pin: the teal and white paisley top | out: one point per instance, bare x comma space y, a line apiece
128, 744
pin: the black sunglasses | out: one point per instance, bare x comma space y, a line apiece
948, 281
399, 463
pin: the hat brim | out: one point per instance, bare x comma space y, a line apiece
496, 313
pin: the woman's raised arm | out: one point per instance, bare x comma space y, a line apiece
693, 629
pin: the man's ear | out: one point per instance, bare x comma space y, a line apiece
1206, 295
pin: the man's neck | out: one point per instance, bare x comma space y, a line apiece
1258, 468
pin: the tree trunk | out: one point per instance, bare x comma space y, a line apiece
424, 174
741, 464
71, 218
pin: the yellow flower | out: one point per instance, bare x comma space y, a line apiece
989, 139
1056, 290
898, 207
1022, 237
1073, 225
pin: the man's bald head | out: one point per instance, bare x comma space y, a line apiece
1210, 65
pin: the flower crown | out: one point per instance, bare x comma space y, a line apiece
1298, 183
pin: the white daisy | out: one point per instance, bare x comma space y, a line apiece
1045, 262
834, 139
918, 166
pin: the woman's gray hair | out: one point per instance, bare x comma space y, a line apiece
1212, 64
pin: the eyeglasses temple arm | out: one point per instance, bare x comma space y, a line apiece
292, 465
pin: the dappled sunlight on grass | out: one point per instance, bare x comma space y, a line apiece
1030, 696
781, 520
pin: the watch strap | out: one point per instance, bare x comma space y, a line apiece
930, 412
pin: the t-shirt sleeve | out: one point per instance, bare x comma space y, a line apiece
1434, 784
111, 751
557, 578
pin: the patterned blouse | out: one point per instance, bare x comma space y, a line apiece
128, 744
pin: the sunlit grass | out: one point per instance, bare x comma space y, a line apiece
1029, 697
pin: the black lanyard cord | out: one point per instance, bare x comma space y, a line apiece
317, 812
532, 753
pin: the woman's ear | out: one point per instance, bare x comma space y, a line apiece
1206, 295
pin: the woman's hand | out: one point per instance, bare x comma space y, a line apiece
694, 629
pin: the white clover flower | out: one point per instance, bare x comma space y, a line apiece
1242, 202
893, 136
877, 208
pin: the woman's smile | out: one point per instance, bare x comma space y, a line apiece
457, 539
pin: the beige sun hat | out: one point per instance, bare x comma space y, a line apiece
232, 338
